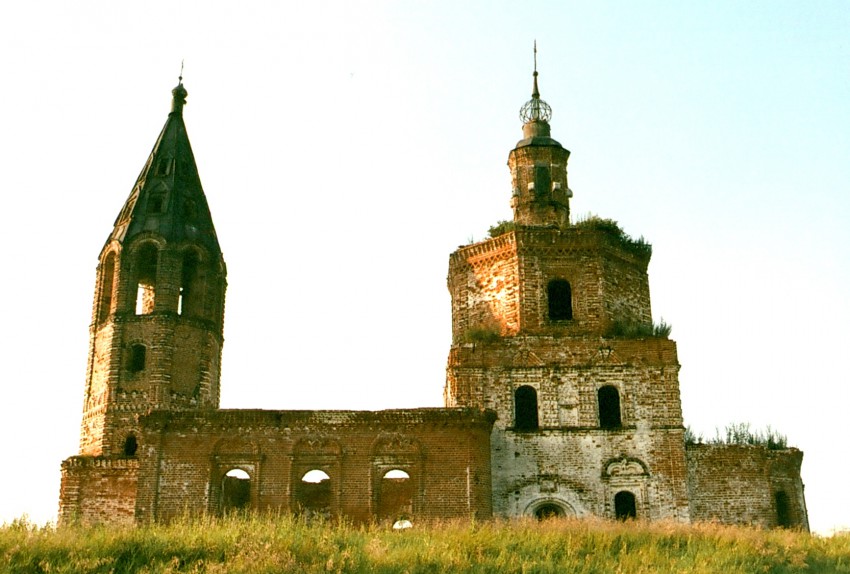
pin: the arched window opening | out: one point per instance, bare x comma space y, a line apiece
131, 445
395, 496
525, 403
314, 495
147, 261
547, 511
107, 279
560, 300
190, 293
396, 474
235, 490
783, 510
625, 506
138, 357
609, 407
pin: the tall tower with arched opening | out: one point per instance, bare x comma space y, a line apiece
552, 328
157, 321
553, 341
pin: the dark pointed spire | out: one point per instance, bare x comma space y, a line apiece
168, 198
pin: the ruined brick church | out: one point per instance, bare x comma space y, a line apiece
557, 401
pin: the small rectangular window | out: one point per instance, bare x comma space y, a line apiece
138, 355
163, 167
156, 204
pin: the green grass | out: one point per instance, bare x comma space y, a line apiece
638, 246
266, 544
636, 330
741, 434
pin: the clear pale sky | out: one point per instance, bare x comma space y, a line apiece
347, 148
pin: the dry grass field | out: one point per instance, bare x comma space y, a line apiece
273, 544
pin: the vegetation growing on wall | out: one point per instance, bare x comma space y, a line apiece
740, 434
637, 246
501, 228
489, 332
481, 335
638, 330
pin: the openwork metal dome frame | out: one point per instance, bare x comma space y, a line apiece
535, 110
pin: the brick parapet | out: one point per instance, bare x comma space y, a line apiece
550, 240
280, 419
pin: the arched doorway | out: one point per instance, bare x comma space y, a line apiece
783, 510
525, 405
625, 505
609, 407
313, 494
395, 495
235, 490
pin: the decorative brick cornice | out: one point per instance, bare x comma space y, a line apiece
257, 418
101, 462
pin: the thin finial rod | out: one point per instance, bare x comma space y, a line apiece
180, 77
535, 56
536, 92
535, 110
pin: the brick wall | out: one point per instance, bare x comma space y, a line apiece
739, 484
98, 490
183, 346
503, 282
566, 461
582, 470
567, 373
445, 452
540, 193
484, 283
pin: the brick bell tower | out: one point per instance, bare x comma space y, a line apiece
156, 332
552, 329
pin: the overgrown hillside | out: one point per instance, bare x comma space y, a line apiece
283, 544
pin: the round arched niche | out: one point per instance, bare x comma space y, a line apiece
546, 508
